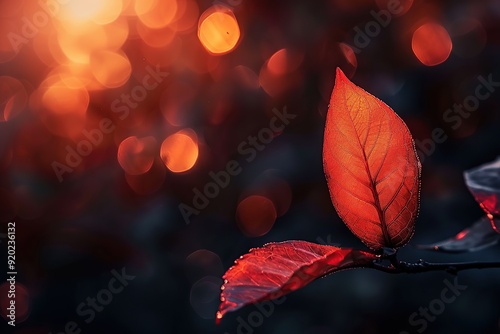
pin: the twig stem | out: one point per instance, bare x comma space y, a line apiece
398, 267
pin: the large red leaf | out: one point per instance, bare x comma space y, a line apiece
371, 167
276, 269
484, 183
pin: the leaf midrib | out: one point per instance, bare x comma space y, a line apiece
373, 189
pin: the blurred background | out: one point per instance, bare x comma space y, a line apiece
117, 115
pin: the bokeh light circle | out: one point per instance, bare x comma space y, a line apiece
136, 155
256, 215
61, 105
156, 14
203, 262
218, 30
204, 296
431, 44
179, 151
111, 69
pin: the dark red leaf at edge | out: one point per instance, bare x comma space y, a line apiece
484, 184
477, 237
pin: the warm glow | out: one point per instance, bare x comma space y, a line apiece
278, 73
7, 49
13, 98
277, 64
116, 33
81, 10
61, 107
10, 8
101, 12
47, 49
136, 155
179, 151
110, 11
431, 44
80, 44
111, 69
143, 6
54, 48
155, 37
75, 75
256, 215
156, 14
61, 99
187, 15
284, 61
218, 30
78, 41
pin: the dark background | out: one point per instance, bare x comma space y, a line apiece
71, 235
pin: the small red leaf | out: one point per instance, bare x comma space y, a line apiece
484, 184
371, 167
276, 269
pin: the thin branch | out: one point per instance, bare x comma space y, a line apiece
399, 267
